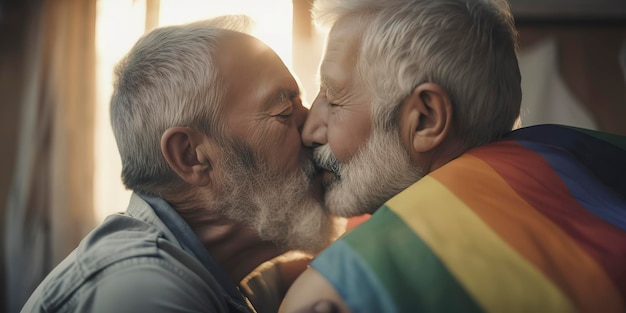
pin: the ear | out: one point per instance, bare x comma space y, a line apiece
425, 118
181, 147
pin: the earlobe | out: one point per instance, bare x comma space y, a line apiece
426, 118
181, 147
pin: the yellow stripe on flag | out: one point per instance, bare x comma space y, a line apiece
491, 271
533, 235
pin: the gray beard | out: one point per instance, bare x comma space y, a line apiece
274, 202
379, 171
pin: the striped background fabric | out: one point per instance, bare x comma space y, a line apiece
533, 223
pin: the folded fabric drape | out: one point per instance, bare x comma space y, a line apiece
533, 223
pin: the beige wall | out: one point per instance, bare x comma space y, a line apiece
588, 64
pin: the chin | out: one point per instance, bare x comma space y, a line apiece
342, 201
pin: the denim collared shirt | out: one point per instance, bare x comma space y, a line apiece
146, 259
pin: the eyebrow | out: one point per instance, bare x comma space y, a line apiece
329, 85
279, 96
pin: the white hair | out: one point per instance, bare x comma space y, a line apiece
169, 78
468, 47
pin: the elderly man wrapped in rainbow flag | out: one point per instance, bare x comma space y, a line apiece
413, 125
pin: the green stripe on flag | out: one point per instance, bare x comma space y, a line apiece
407, 267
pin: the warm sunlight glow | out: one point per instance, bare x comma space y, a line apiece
119, 24
272, 18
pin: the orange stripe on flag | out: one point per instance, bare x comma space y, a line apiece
531, 234
491, 271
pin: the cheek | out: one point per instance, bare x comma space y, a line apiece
287, 148
346, 141
348, 131
280, 145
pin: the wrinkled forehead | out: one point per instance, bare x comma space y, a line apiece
246, 59
252, 72
341, 54
344, 39
236, 51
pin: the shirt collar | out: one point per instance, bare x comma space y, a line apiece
191, 244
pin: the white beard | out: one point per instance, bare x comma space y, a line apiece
277, 204
379, 171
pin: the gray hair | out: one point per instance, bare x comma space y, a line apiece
169, 78
468, 47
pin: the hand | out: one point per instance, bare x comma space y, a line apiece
289, 270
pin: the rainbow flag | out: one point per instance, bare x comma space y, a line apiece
532, 223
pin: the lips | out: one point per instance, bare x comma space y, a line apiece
317, 186
328, 177
326, 165
321, 168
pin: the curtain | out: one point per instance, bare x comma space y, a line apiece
49, 206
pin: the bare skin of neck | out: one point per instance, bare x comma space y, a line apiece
237, 249
448, 150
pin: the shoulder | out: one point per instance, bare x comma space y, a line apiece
128, 266
135, 284
342, 274
148, 284
308, 289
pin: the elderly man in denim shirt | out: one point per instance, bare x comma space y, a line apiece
208, 123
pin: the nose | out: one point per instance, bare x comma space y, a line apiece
315, 127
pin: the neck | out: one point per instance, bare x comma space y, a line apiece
237, 249
449, 150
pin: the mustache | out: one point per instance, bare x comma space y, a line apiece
324, 158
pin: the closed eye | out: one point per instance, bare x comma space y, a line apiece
286, 113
